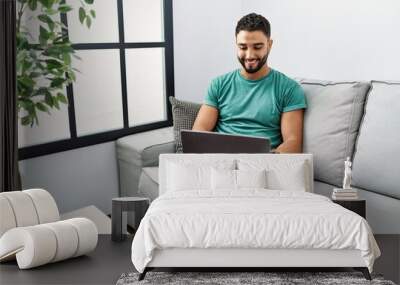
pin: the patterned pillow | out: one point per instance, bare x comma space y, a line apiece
183, 114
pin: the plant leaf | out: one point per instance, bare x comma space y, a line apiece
35, 118
72, 75
46, 3
67, 58
26, 65
55, 102
42, 107
26, 103
43, 35
26, 120
82, 15
45, 18
57, 82
88, 22
53, 64
61, 97
32, 4
34, 74
51, 11
64, 8
50, 60
25, 81
48, 99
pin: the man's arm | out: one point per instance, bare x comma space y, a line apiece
206, 118
292, 132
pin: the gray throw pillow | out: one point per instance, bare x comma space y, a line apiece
183, 114
331, 124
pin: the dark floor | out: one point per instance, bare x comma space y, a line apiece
103, 266
389, 262
111, 259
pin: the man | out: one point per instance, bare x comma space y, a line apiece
255, 100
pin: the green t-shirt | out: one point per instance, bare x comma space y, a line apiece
254, 107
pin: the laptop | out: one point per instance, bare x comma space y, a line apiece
211, 142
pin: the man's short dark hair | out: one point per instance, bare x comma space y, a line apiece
254, 22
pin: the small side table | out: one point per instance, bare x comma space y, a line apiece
358, 206
121, 204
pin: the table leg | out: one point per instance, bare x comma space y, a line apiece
116, 220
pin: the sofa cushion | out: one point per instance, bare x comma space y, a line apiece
331, 124
137, 151
184, 114
148, 183
142, 149
377, 158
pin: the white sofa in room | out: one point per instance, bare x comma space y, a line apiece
31, 231
355, 119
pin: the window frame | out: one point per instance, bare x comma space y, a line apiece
102, 137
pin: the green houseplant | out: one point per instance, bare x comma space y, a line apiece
44, 63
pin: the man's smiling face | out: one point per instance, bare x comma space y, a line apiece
252, 50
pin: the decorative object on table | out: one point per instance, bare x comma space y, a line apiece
243, 278
44, 66
138, 205
346, 192
358, 206
31, 232
347, 174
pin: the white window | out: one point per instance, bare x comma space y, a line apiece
125, 76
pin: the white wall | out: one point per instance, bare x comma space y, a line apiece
332, 40
76, 178
204, 44
335, 39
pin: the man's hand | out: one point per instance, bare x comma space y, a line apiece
292, 132
206, 119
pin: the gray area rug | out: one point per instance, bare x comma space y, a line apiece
229, 278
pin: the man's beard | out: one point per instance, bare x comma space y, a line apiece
260, 64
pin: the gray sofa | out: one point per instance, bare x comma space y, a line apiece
356, 119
